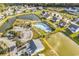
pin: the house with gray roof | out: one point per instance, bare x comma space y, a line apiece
34, 47
72, 10
45, 14
73, 28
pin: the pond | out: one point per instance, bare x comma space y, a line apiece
29, 16
7, 25
10, 21
43, 26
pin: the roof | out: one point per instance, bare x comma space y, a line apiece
54, 19
38, 44
35, 46
62, 24
77, 20
45, 14
32, 47
73, 27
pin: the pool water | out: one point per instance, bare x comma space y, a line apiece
43, 26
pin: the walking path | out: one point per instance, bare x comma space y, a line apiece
52, 49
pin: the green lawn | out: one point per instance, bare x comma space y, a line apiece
76, 39
71, 35
67, 32
35, 34
78, 23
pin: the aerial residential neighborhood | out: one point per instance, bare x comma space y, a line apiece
39, 29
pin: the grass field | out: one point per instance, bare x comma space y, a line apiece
47, 51
63, 45
35, 34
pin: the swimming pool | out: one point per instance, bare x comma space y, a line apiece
43, 26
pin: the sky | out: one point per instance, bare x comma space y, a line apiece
39, 1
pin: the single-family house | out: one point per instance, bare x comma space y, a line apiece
72, 10
45, 14
62, 24
34, 47
73, 28
56, 17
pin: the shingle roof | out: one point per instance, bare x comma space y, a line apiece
32, 47
35, 46
73, 27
